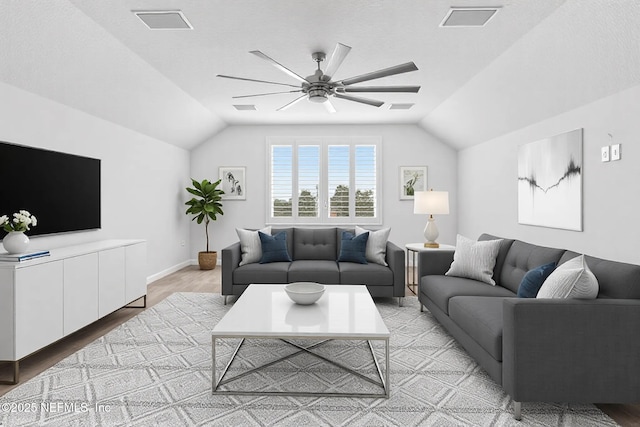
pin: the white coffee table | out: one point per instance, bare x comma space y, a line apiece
344, 312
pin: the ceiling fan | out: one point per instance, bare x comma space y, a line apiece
320, 86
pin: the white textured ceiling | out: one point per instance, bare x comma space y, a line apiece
533, 60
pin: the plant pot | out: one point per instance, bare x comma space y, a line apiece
207, 260
16, 242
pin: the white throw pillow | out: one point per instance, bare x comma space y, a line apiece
573, 279
376, 244
475, 259
250, 244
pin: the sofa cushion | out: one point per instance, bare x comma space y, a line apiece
250, 245
353, 248
320, 271
481, 318
523, 257
290, 232
474, 260
505, 245
615, 279
371, 274
376, 245
440, 289
533, 280
275, 272
573, 279
274, 248
314, 243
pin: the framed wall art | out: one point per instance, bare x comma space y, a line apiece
550, 182
233, 182
412, 179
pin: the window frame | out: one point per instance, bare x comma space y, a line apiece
323, 196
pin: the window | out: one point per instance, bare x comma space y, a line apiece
324, 180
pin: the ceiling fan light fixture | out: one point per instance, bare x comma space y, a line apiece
317, 95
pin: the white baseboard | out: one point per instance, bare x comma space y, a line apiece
168, 271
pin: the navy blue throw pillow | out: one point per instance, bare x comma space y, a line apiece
533, 280
353, 248
274, 248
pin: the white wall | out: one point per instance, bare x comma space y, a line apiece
143, 179
402, 145
488, 182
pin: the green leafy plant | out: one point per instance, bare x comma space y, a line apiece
207, 203
22, 221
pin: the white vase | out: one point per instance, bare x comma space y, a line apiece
16, 242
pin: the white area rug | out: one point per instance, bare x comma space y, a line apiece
155, 370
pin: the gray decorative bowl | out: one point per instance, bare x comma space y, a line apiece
304, 293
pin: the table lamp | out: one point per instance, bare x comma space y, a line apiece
431, 203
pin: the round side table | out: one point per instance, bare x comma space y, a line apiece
412, 253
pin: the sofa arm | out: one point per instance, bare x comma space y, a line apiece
395, 259
231, 256
567, 350
434, 263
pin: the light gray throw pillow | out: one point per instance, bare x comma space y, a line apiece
573, 279
250, 244
474, 259
376, 250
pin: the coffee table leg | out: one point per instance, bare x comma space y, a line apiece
387, 384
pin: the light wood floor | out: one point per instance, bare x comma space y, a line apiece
189, 279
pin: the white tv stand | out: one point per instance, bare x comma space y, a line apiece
45, 299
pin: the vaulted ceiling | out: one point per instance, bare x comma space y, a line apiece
533, 60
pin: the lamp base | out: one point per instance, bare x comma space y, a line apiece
432, 245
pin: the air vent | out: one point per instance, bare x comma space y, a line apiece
163, 19
400, 106
245, 107
469, 16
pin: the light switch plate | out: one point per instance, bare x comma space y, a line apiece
615, 152
605, 154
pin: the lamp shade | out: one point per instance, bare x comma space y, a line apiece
431, 202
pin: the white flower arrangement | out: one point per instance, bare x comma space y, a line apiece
22, 221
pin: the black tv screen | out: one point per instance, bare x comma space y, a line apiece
61, 190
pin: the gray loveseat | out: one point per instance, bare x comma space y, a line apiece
315, 252
545, 350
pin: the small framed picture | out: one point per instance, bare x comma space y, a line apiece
233, 182
412, 179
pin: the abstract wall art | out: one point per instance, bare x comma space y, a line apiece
550, 182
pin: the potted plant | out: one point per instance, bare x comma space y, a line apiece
16, 241
205, 206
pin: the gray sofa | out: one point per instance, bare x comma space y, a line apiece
315, 252
546, 350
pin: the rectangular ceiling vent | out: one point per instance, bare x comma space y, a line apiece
163, 19
400, 106
469, 16
245, 107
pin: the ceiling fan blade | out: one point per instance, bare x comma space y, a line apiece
269, 93
398, 69
339, 54
329, 106
279, 66
254, 80
412, 89
371, 102
292, 103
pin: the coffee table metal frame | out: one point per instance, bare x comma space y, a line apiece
382, 381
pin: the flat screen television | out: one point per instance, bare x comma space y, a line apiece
61, 190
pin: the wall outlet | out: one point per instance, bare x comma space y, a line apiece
182, 243
605, 154
615, 152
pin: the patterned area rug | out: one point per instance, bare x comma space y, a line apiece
155, 369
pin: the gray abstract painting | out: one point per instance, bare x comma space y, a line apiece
550, 182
